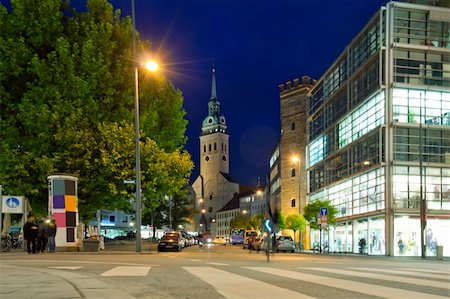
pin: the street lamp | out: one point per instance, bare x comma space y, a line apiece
297, 160
152, 66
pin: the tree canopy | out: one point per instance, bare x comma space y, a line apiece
313, 209
67, 106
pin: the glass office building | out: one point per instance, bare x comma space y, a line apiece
379, 135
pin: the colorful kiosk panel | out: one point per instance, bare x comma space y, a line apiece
63, 205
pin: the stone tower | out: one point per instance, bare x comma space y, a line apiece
293, 103
213, 187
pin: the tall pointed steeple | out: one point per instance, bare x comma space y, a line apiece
213, 85
215, 121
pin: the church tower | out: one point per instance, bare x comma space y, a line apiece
214, 187
214, 137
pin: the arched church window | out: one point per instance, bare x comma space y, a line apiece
204, 148
215, 146
293, 126
293, 203
224, 158
293, 172
210, 209
210, 197
207, 158
209, 147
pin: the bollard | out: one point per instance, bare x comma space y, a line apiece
440, 252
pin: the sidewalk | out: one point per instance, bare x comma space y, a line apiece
53, 283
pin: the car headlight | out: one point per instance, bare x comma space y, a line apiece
208, 240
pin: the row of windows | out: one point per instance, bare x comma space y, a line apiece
435, 187
364, 119
361, 87
421, 106
361, 155
420, 27
368, 43
274, 157
210, 147
432, 145
422, 67
361, 194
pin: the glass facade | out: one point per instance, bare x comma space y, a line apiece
379, 135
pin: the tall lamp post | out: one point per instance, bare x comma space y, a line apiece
152, 66
297, 160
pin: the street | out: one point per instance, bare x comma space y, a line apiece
219, 272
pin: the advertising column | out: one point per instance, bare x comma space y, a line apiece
63, 206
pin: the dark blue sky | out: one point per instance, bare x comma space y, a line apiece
255, 45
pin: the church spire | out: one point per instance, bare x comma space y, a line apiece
213, 85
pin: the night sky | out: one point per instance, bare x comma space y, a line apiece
255, 46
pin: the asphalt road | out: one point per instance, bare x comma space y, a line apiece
222, 272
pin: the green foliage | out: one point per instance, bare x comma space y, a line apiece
313, 209
281, 221
67, 106
296, 222
240, 221
257, 221
182, 212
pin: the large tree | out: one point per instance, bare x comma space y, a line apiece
67, 106
312, 210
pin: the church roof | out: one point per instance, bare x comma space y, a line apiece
229, 178
234, 202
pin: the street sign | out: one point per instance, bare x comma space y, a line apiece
324, 211
324, 219
129, 181
268, 225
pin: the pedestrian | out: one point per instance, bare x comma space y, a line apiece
51, 233
30, 233
42, 235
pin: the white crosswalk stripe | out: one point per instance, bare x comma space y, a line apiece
216, 264
235, 286
365, 288
127, 271
410, 272
430, 283
67, 267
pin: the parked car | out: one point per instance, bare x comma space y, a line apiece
254, 243
285, 243
219, 240
172, 240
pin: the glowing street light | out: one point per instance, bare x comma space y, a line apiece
152, 66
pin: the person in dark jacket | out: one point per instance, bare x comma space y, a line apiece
30, 233
42, 235
51, 233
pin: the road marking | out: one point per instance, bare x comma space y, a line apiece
429, 275
431, 271
67, 268
127, 271
235, 286
365, 288
194, 260
217, 264
422, 282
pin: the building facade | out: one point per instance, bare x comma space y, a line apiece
291, 150
379, 135
214, 187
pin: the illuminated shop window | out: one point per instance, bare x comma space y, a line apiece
421, 106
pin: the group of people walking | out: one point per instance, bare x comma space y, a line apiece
40, 234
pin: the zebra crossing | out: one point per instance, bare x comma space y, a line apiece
233, 282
